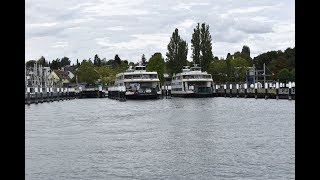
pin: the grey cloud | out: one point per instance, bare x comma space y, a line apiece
81, 24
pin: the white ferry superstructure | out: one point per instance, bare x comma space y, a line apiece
138, 83
192, 82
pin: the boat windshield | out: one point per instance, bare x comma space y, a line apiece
140, 68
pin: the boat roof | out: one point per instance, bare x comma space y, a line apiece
135, 72
195, 70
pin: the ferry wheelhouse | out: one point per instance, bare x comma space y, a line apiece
192, 82
138, 83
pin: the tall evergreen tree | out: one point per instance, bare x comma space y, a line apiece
177, 53
97, 60
229, 56
202, 46
117, 59
195, 45
143, 60
229, 68
245, 54
206, 47
42, 61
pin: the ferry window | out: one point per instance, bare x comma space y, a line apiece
153, 76
136, 76
128, 76
145, 76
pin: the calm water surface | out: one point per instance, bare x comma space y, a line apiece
210, 138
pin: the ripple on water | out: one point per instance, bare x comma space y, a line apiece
209, 138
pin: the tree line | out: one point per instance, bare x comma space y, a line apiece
280, 64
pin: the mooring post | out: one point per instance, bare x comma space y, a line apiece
69, 91
58, 94
277, 90
47, 98
255, 90
237, 86
230, 90
28, 95
225, 90
65, 97
266, 90
167, 92
100, 92
63, 94
41, 95
245, 90
162, 92
36, 95
51, 94
289, 95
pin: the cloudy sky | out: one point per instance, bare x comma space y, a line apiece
80, 29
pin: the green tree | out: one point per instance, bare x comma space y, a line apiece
239, 68
156, 63
55, 64
245, 54
202, 46
107, 74
229, 69
97, 60
289, 54
277, 64
78, 64
143, 60
293, 74
86, 73
177, 53
229, 56
103, 62
284, 75
30, 63
218, 70
42, 61
206, 47
266, 58
117, 59
195, 45
90, 61
236, 55
65, 61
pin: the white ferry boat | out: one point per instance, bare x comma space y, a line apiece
192, 82
137, 83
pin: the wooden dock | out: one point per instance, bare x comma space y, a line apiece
61, 94
281, 93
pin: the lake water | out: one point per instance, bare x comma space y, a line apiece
208, 138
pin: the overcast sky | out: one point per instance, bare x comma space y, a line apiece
80, 29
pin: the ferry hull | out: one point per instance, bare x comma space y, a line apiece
142, 96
